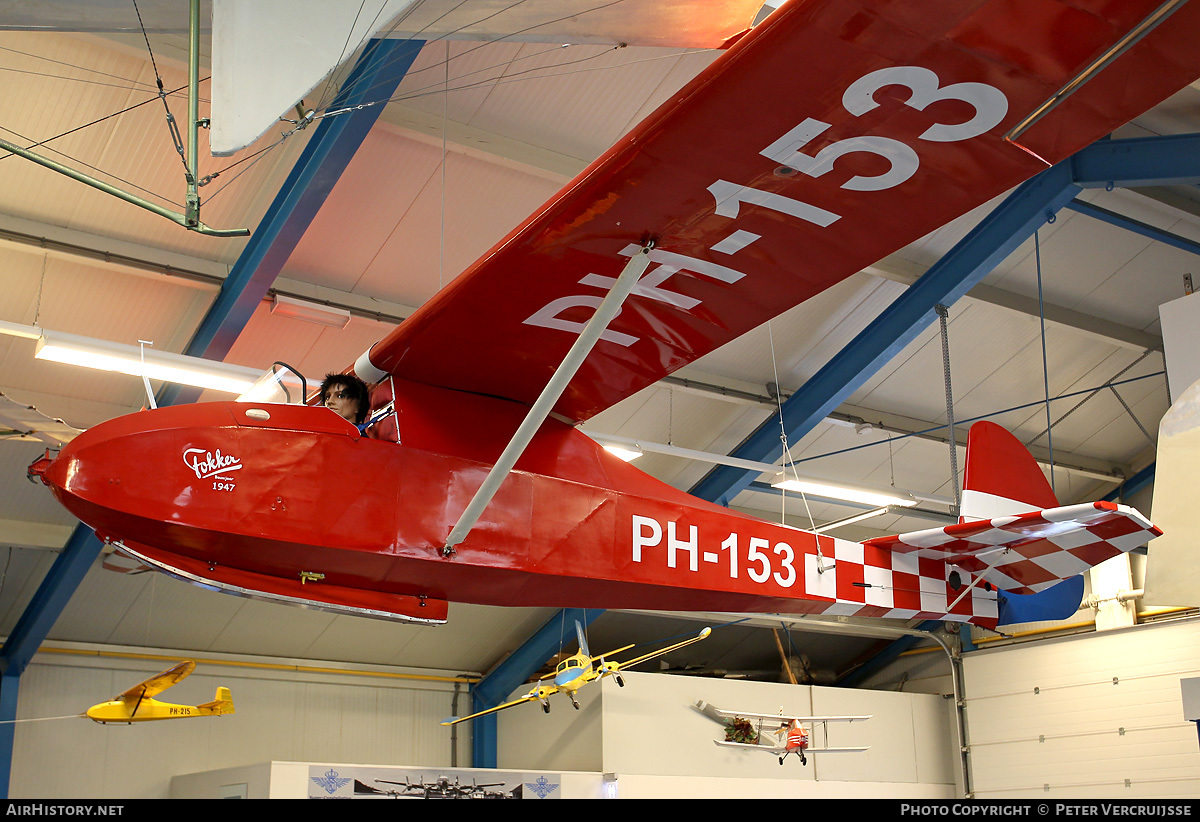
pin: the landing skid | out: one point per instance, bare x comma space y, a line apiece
321, 596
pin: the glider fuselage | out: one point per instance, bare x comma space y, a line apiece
291, 502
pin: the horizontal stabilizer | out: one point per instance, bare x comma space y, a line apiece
1031, 552
778, 749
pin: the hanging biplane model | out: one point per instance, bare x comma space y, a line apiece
138, 705
578, 670
828, 136
790, 734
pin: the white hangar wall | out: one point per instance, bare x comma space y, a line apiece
285, 710
658, 745
1092, 716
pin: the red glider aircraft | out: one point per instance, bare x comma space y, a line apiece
830, 135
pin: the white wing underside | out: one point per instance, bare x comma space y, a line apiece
778, 749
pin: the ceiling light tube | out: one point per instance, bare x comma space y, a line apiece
629, 454
309, 311
88, 352
842, 492
850, 520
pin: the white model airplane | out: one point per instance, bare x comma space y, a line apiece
797, 741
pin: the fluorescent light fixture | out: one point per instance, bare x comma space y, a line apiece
627, 454
310, 312
829, 526
872, 498
130, 359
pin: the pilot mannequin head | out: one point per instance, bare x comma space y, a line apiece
347, 396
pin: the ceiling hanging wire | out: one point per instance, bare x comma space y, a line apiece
774, 391
671, 417
360, 91
434, 88
445, 125
1037, 253
190, 218
891, 462
1012, 408
126, 83
15, 150
345, 45
1091, 392
86, 125
172, 125
37, 311
1132, 415
943, 313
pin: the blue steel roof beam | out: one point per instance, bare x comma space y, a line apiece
1132, 485
69, 567
523, 663
374, 79
1136, 226
1143, 161
988, 244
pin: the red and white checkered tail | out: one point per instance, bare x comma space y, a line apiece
963, 568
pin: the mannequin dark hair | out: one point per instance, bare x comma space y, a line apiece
354, 388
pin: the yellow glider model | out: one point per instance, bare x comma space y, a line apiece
576, 671
136, 704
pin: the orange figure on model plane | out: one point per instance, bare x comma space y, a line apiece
861, 126
797, 739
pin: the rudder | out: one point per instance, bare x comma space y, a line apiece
222, 703
1002, 478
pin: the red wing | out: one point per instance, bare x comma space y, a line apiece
1030, 552
735, 177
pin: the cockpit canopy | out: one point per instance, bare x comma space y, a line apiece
280, 384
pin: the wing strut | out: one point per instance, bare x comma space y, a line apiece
545, 402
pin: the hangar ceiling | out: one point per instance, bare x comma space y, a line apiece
477, 136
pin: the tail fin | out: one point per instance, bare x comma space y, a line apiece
1017, 556
222, 703
1001, 477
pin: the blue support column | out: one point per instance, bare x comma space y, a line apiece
888, 654
375, 77
494, 689
9, 686
68, 570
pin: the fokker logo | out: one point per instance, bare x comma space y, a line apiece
207, 464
